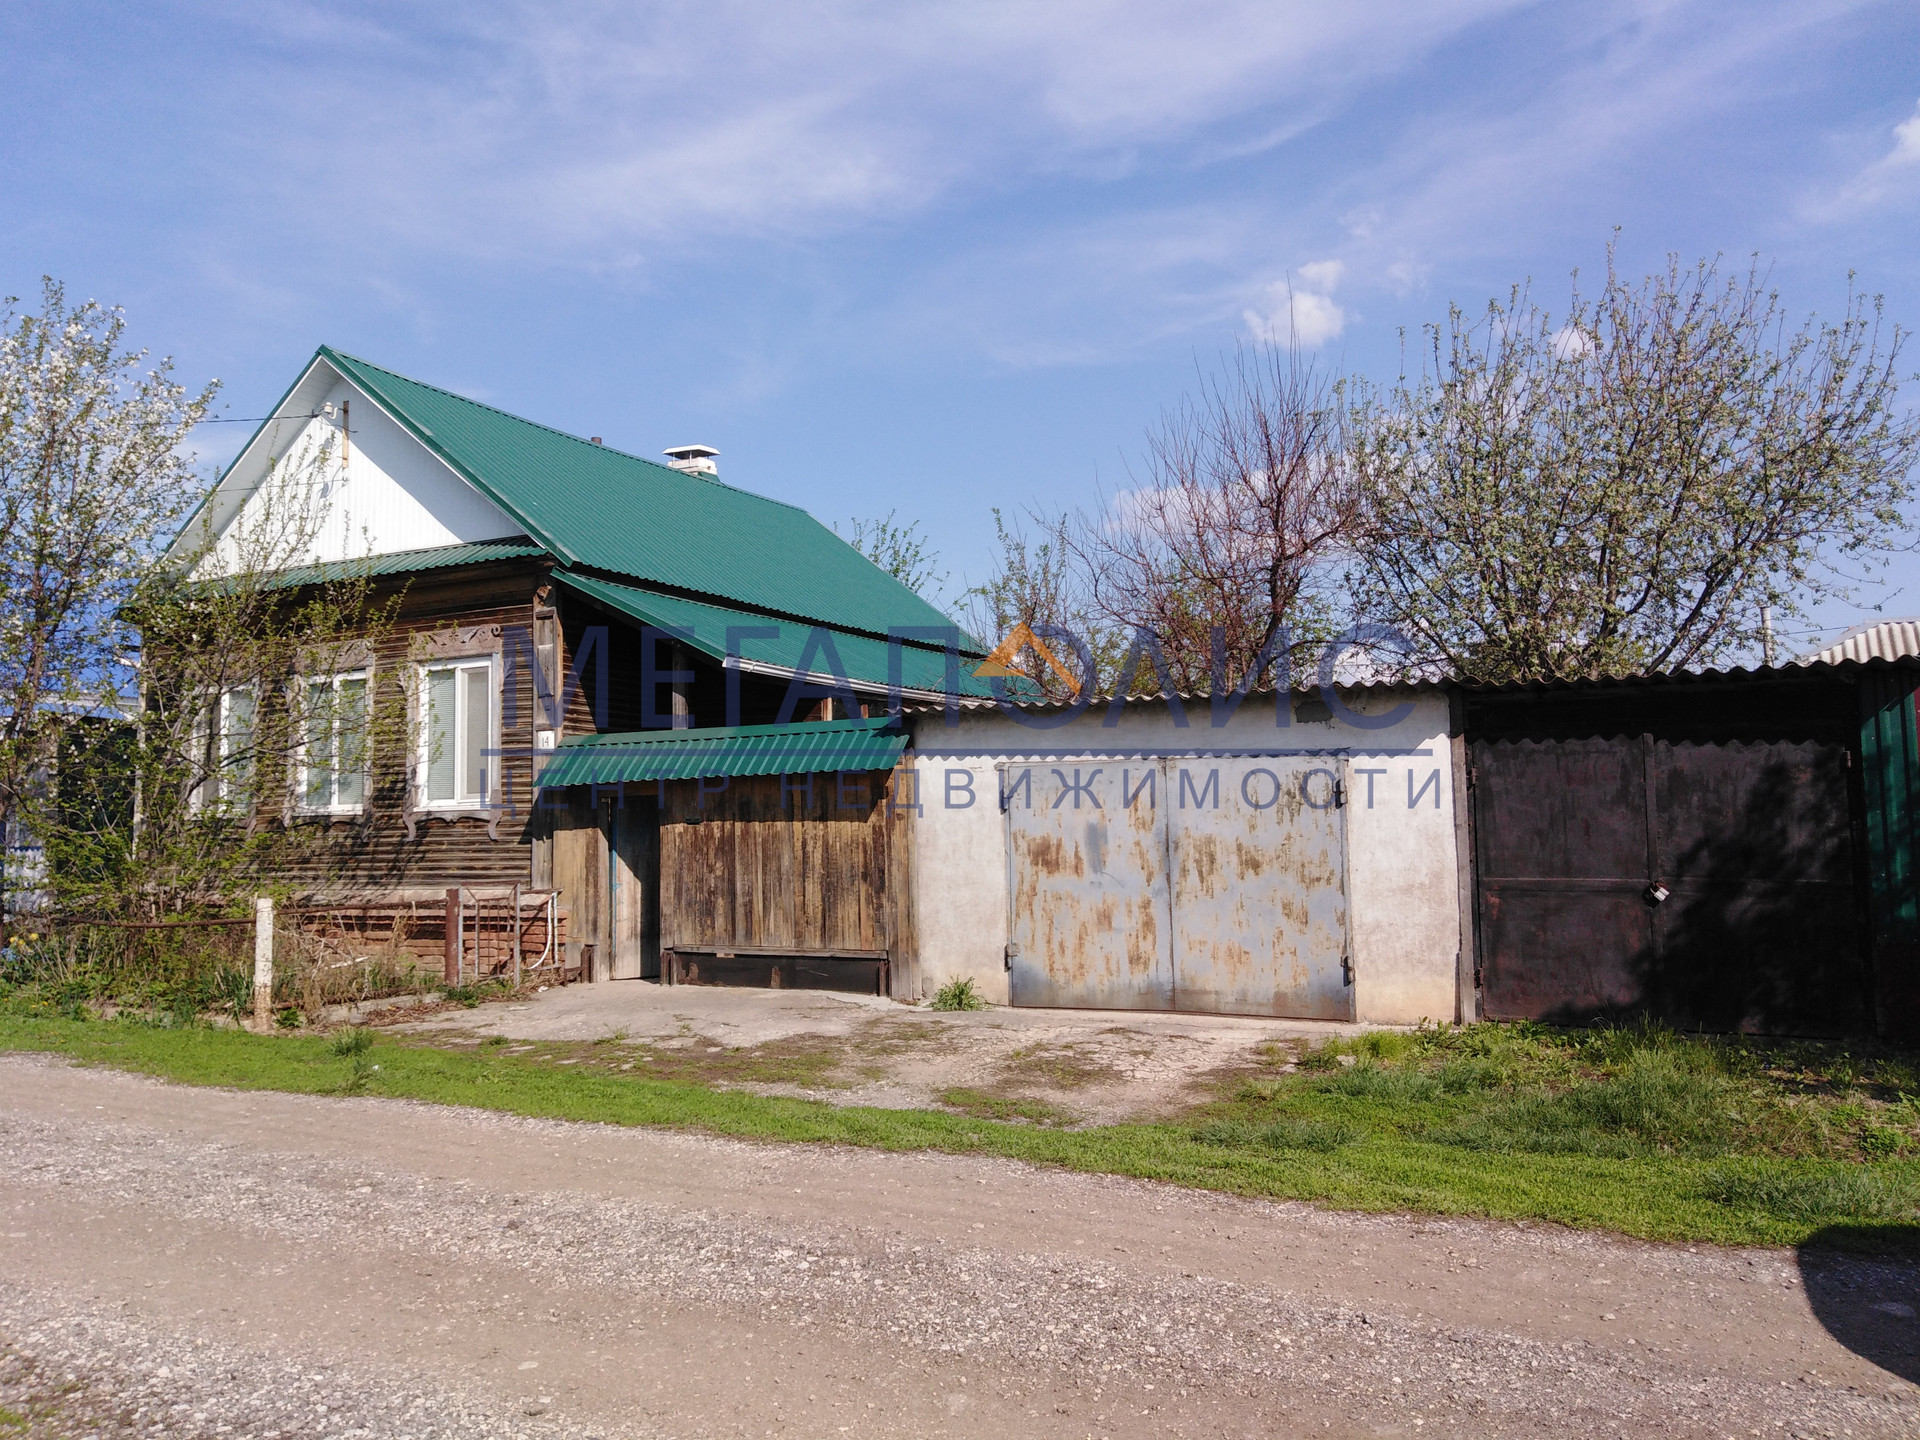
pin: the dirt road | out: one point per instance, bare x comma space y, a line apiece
194, 1262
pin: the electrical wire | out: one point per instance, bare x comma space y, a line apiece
251, 420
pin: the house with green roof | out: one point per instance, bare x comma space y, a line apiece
659, 727
426, 480
563, 608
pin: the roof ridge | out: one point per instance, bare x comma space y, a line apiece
563, 434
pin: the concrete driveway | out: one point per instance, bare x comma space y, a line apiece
1090, 1065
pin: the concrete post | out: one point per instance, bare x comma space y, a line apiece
263, 962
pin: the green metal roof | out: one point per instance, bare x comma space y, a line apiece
923, 663
594, 507
799, 749
410, 562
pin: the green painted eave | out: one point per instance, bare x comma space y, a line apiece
863, 658
408, 562
803, 748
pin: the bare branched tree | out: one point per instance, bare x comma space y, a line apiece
1246, 507
1034, 586
1628, 487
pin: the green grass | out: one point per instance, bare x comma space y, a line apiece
990, 1106
1405, 1127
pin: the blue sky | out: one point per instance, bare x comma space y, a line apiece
933, 258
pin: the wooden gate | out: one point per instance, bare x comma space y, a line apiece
794, 880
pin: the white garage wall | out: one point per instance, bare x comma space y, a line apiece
1401, 864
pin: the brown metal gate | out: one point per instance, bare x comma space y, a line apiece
1708, 884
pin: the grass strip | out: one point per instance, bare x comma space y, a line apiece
1727, 1201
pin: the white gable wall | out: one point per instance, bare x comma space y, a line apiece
373, 491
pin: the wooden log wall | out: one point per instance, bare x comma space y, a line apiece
377, 850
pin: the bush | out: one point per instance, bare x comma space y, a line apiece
957, 995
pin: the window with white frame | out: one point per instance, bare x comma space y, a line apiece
223, 751
455, 767
234, 779
333, 743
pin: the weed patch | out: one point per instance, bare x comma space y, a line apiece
957, 995
1004, 1107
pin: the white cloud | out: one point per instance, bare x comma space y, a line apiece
1406, 276
1301, 311
1572, 344
1470, 181
1897, 170
1322, 275
596, 133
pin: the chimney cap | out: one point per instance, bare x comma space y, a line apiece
692, 459
593, 439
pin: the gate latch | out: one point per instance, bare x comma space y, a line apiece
1655, 893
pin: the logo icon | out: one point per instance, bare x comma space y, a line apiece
1000, 662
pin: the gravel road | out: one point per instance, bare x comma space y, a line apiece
198, 1263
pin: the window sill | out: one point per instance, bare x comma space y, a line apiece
492, 814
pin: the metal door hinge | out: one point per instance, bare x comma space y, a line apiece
1346, 970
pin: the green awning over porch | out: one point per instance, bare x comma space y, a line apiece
801, 748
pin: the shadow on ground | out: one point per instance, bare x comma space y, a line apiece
1863, 1285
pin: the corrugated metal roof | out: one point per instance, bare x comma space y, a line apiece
798, 749
409, 562
1792, 670
1882, 640
863, 657
595, 507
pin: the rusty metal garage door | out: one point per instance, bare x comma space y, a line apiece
1212, 885
1708, 884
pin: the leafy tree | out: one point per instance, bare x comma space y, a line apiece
92, 481
900, 550
1626, 487
239, 639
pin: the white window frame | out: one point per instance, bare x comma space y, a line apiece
233, 778
213, 749
463, 762
301, 803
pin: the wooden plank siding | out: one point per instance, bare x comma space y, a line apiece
809, 873
374, 852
